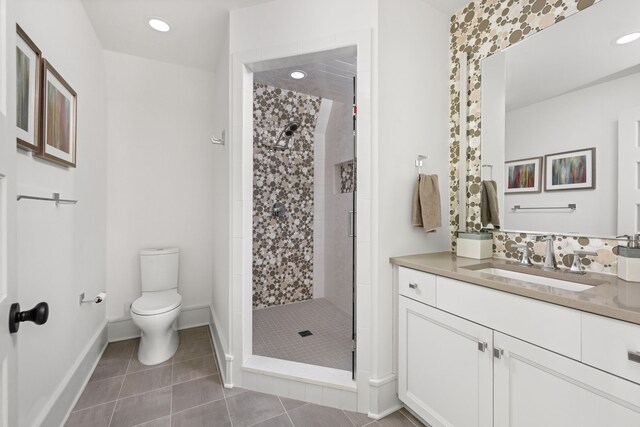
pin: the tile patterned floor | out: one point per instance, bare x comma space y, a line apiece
275, 333
186, 391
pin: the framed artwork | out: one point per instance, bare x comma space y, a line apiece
523, 176
28, 72
58, 141
570, 170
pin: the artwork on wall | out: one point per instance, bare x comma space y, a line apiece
570, 170
28, 63
58, 141
523, 176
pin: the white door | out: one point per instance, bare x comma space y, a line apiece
8, 362
536, 387
444, 366
628, 171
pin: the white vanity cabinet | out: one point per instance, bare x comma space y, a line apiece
473, 356
445, 372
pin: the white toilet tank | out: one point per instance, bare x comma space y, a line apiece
159, 269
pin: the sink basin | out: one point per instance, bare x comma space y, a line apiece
540, 280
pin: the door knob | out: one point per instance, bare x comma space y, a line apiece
38, 315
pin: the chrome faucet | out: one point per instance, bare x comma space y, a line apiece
550, 258
525, 255
576, 267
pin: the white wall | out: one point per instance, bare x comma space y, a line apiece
413, 120
221, 292
160, 175
577, 120
61, 251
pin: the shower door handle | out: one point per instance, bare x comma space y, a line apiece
352, 224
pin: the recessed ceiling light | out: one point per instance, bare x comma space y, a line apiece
159, 24
628, 38
298, 74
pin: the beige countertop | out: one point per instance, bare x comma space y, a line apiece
610, 296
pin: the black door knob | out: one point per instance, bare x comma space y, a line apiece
38, 315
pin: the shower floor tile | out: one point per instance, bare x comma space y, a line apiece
276, 333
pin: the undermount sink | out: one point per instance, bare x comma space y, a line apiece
539, 280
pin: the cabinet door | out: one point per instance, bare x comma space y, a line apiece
444, 366
536, 387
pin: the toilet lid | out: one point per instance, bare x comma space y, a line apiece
156, 303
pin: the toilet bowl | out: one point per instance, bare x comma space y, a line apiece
156, 314
156, 311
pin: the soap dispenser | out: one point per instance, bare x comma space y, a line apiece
629, 259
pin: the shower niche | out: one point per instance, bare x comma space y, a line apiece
304, 187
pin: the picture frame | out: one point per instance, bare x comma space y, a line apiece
59, 118
523, 176
570, 170
28, 100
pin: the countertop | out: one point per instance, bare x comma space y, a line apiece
610, 296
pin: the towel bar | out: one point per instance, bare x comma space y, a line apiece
56, 198
571, 206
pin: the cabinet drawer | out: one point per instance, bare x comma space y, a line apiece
417, 285
547, 325
608, 343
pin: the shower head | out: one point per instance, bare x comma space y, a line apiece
285, 136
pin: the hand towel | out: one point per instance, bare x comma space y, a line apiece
489, 209
426, 203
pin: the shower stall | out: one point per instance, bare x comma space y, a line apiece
304, 196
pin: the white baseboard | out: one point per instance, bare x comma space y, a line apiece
124, 329
225, 360
68, 392
383, 397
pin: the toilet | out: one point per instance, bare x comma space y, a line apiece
156, 311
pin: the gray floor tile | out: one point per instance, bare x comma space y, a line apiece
290, 404
197, 392
212, 414
279, 421
358, 419
394, 420
142, 408
318, 416
120, 348
251, 408
194, 334
193, 369
143, 381
97, 416
98, 392
160, 422
113, 366
193, 350
413, 419
228, 392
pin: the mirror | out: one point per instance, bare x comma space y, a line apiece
558, 110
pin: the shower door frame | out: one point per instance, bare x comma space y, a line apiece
238, 358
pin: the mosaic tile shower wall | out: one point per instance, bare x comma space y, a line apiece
481, 29
347, 175
282, 246
505, 246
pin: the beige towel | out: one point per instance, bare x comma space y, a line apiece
426, 203
489, 209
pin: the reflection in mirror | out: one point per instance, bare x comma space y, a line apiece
569, 95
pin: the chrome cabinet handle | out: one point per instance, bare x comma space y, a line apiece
498, 352
482, 346
413, 285
352, 224
634, 356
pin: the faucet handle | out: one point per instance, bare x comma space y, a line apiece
522, 247
576, 266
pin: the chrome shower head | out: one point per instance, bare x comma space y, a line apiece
285, 136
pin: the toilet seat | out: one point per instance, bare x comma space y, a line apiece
153, 303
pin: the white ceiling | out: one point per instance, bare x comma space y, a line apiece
573, 54
198, 28
328, 78
449, 7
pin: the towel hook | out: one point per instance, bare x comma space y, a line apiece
490, 170
419, 162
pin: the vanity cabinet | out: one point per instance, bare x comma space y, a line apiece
480, 357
